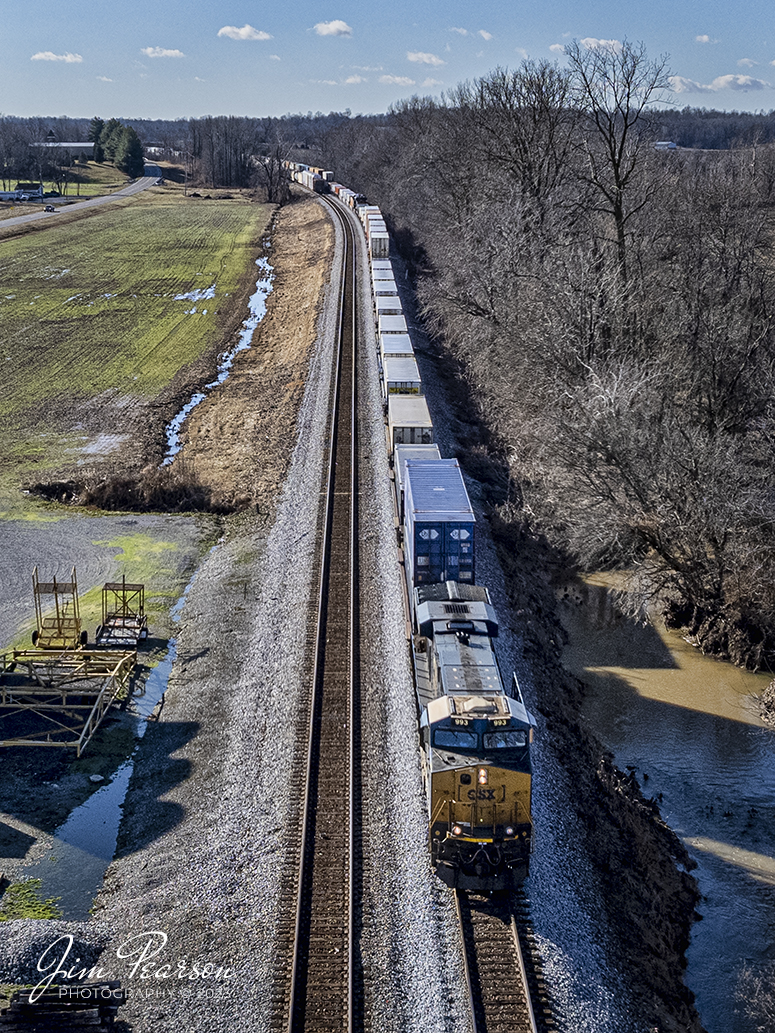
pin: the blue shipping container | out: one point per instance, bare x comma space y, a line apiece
438, 523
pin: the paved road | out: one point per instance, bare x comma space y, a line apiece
152, 174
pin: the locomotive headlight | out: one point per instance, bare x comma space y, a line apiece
509, 830
456, 830
482, 776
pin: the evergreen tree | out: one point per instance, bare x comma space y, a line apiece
96, 127
129, 154
110, 137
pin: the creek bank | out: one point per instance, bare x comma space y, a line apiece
767, 705
649, 897
725, 635
641, 868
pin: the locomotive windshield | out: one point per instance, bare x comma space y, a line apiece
455, 739
505, 740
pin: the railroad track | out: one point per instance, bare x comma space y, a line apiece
503, 970
323, 992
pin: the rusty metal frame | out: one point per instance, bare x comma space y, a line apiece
124, 621
70, 691
63, 629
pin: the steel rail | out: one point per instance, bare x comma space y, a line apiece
491, 986
354, 639
523, 975
300, 1016
466, 966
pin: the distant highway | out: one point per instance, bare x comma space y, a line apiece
152, 174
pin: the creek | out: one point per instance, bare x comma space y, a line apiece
688, 726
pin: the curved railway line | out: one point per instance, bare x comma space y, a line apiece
318, 987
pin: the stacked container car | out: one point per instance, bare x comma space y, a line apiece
476, 731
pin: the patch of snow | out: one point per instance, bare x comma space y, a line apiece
197, 295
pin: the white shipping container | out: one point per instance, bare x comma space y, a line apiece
395, 346
365, 210
373, 226
388, 306
382, 274
391, 325
384, 288
379, 245
401, 377
409, 422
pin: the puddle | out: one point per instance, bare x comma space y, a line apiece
257, 307
84, 845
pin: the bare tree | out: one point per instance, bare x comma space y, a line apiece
613, 84
522, 124
271, 173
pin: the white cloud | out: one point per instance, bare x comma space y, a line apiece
161, 52
704, 39
424, 59
591, 43
737, 83
427, 83
353, 80
522, 52
246, 32
47, 55
485, 34
461, 32
104, 78
368, 68
334, 28
557, 48
746, 62
274, 57
396, 80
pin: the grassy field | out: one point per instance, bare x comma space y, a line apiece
92, 180
86, 181
111, 307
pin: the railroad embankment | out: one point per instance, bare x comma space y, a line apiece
649, 897
640, 867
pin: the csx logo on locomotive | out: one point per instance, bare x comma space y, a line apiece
484, 794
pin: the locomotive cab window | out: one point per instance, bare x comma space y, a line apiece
455, 739
505, 740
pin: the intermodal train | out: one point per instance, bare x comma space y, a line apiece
475, 728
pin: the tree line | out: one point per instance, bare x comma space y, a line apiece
27, 151
613, 308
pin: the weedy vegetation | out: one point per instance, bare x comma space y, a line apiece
24, 900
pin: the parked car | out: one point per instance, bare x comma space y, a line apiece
49, 208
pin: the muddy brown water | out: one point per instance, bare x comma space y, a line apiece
689, 727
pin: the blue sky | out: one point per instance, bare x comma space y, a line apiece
171, 59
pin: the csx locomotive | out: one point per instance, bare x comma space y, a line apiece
476, 742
